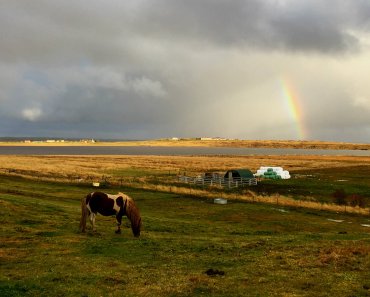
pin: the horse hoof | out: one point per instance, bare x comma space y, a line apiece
118, 231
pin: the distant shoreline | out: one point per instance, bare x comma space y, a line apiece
203, 143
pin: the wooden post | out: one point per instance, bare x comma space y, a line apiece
230, 176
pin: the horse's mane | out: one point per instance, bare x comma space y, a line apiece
133, 214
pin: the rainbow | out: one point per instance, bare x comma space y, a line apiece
294, 108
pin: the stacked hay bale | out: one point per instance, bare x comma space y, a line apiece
272, 173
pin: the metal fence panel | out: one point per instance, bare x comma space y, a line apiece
223, 182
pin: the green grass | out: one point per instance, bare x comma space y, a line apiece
263, 250
306, 184
320, 184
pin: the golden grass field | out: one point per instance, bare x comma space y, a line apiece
138, 171
97, 165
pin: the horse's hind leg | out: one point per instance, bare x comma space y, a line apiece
119, 221
92, 221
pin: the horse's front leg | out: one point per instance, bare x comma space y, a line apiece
119, 222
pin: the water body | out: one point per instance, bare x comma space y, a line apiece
170, 151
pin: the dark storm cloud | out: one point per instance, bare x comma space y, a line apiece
291, 25
37, 30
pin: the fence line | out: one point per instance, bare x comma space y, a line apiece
222, 182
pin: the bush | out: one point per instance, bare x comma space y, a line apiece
340, 197
357, 200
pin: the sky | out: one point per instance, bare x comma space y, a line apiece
140, 69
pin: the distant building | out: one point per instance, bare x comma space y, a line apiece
212, 138
88, 140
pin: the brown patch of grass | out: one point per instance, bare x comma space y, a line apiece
12, 254
343, 256
236, 217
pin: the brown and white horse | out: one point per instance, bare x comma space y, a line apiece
108, 205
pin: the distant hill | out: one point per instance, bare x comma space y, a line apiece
208, 142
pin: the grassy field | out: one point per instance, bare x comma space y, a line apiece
315, 178
248, 249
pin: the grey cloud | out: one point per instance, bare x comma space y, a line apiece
320, 26
308, 30
38, 31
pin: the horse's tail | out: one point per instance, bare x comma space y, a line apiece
133, 214
84, 214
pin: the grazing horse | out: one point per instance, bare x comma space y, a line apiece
108, 205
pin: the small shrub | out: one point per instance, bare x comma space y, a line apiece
357, 200
340, 197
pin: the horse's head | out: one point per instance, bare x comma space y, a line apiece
133, 214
